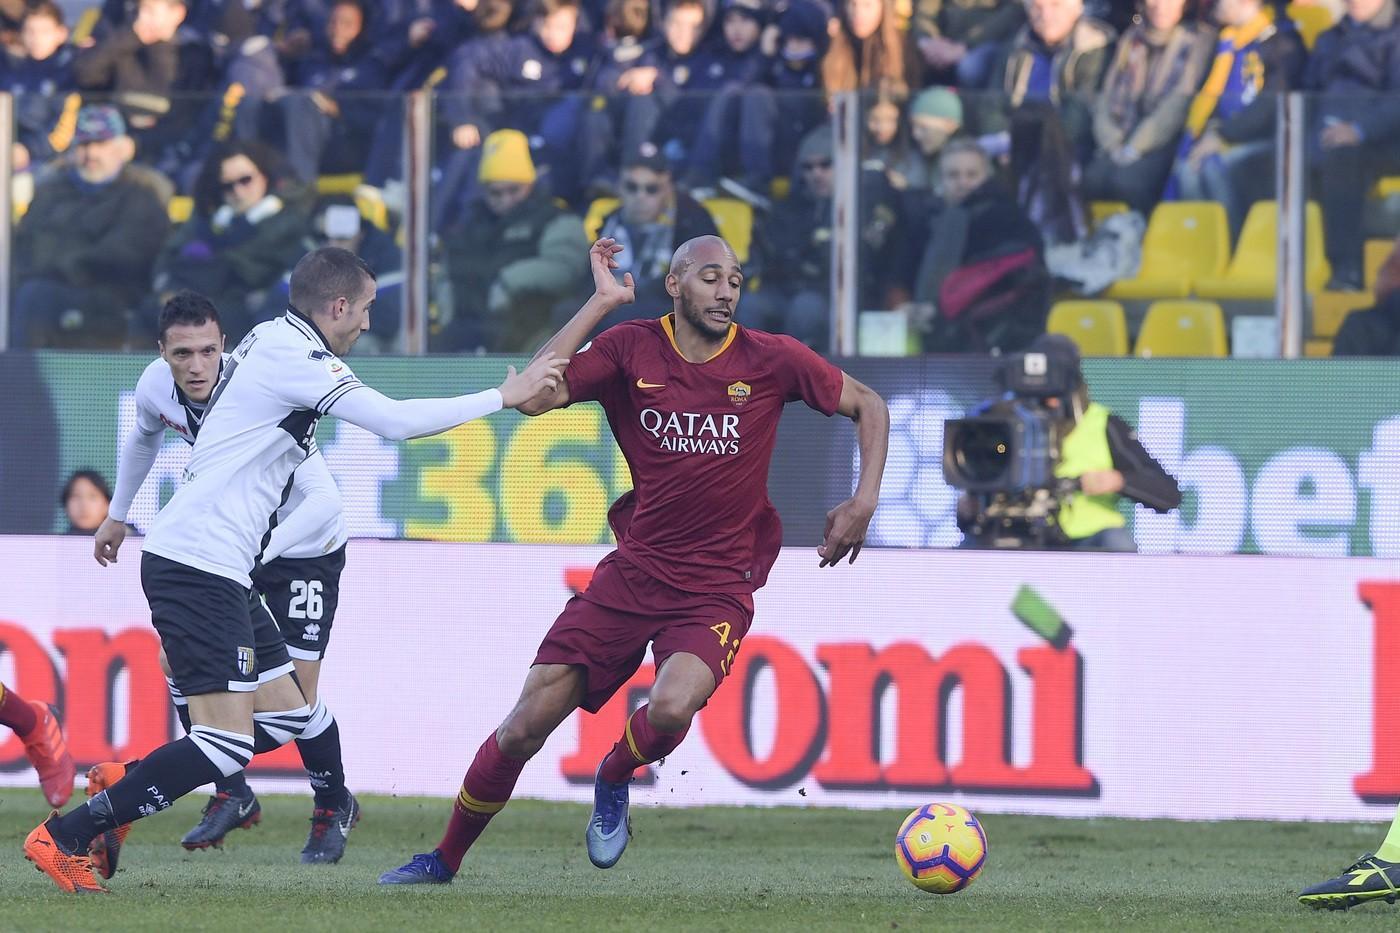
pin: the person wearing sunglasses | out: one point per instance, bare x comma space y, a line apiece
241, 238
652, 221
793, 246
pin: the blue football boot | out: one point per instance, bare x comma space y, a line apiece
609, 827
426, 868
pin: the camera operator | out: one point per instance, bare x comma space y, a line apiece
1099, 460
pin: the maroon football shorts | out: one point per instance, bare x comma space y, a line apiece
605, 629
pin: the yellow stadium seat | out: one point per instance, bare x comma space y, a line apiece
1099, 328
1317, 348
1185, 241
1331, 308
593, 220
1312, 20
1386, 186
1375, 255
338, 184
734, 218
1183, 328
1251, 273
180, 208
1098, 210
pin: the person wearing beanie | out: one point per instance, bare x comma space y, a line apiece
792, 246
512, 257
935, 116
84, 251
788, 102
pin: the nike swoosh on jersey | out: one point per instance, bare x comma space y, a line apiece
643, 384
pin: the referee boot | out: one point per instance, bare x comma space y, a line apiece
222, 815
1368, 879
106, 847
330, 831
610, 826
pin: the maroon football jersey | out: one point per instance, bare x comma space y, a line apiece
698, 438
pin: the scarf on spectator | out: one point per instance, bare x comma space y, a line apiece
1233, 41
1149, 64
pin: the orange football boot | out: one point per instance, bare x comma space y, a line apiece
48, 752
108, 845
72, 873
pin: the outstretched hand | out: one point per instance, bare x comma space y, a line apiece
605, 284
845, 532
541, 377
108, 541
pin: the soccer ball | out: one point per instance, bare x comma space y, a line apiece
941, 847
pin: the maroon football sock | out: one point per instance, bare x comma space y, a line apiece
16, 712
485, 791
640, 744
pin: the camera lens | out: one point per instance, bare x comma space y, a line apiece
983, 451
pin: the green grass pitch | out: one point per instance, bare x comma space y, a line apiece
712, 869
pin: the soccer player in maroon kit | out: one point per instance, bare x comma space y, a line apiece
693, 400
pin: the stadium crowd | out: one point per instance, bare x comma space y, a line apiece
188, 145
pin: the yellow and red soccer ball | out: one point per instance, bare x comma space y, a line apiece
941, 848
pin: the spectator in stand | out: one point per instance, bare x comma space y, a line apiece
626, 24
41, 81
653, 219
424, 37
793, 247
935, 116
327, 122
870, 52
790, 100
85, 499
1227, 151
532, 82
153, 73
1044, 175
514, 255
669, 88
735, 140
84, 251
1058, 56
1141, 110
961, 40
1375, 331
240, 239
1355, 73
980, 283
887, 148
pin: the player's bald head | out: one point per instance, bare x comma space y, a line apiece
703, 251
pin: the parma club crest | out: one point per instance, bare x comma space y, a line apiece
739, 393
247, 662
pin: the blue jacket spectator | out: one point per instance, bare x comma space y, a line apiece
735, 140
420, 40
1058, 56
1355, 71
41, 82
1227, 150
795, 105
533, 83
330, 118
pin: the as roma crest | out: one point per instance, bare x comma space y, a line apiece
739, 393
